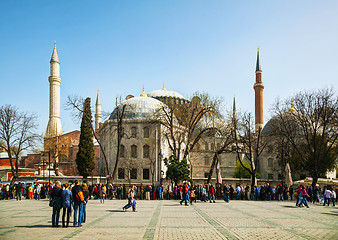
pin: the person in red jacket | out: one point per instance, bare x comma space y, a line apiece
212, 193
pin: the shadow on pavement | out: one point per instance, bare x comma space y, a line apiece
290, 206
36, 226
114, 210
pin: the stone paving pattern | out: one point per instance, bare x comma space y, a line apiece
31, 219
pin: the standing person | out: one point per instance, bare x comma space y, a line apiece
291, 192
18, 191
131, 200
175, 193
327, 196
86, 196
160, 192
238, 192
57, 203
154, 191
141, 192
256, 193
38, 191
102, 194
67, 199
192, 195
232, 190
168, 192
226, 192
315, 195
78, 199
334, 195
280, 192
204, 194
30, 192
212, 193
148, 190
90, 189
184, 194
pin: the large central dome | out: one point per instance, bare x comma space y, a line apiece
165, 93
138, 108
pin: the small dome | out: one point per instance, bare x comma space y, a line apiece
271, 126
164, 93
138, 108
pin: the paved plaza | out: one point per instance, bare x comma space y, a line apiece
31, 219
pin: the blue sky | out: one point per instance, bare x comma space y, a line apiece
210, 46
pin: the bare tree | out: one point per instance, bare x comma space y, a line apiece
222, 133
311, 129
17, 134
183, 126
248, 143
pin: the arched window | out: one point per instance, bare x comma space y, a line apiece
145, 151
133, 132
270, 162
122, 150
146, 132
133, 151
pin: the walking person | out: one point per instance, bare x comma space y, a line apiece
57, 203
304, 195
131, 200
78, 199
67, 199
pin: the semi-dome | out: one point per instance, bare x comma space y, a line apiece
138, 108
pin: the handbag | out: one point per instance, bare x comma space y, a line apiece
51, 203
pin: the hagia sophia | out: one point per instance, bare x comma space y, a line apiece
143, 151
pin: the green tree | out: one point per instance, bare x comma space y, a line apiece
85, 155
241, 172
177, 170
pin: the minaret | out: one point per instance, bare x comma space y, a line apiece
234, 114
258, 86
54, 127
98, 115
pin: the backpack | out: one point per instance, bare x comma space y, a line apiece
79, 197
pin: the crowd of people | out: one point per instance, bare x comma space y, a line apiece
35, 191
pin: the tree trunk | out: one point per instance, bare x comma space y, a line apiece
314, 182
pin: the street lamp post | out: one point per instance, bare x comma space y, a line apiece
48, 167
43, 168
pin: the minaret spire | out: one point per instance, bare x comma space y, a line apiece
258, 86
258, 63
234, 113
54, 127
98, 114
